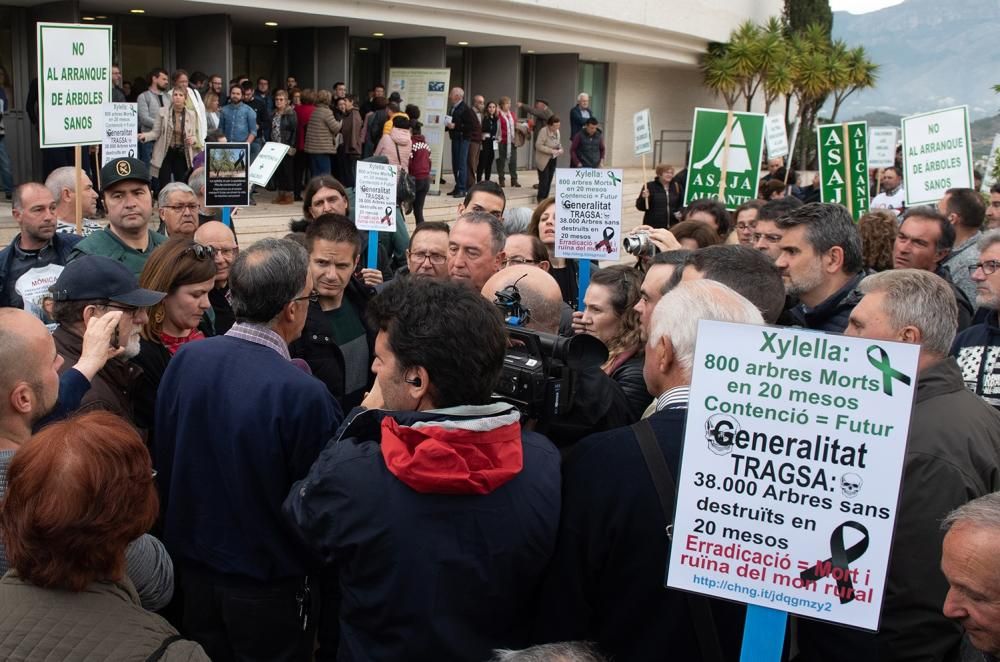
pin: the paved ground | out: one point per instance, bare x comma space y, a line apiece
270, 220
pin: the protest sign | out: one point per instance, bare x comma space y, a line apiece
881, 146
991, 164
120, 137
74, 82
226, 181
588, 213
937, 154
726, 151
428, 89
843, 165
642, 128
375, 197
776, 136
792, 461
268, 159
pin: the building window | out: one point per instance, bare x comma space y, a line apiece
593, 79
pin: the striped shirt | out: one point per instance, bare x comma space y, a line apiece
675, 398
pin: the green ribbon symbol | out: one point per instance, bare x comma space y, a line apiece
615, 178
888, 372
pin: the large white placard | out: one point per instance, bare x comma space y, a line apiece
881, 146
789, 482
588, 213
268, 159
375, 197
775, 136
428, 89
937, 154
120, 138
74, 82
642, 128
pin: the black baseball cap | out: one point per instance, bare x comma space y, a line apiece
123, 169
94, 277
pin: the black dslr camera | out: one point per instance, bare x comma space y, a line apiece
538, 368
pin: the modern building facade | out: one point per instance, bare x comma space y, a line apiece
628, 55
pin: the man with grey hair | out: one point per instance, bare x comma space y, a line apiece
605, 581
475, 248
178, 207
236, 424
821, 264
977, 348
61, 182
579, 114
952, 456
460, 129
969, 562
567, 651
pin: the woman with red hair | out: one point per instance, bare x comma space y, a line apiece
78, 493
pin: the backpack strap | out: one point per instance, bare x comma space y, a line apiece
666, 488
159, 652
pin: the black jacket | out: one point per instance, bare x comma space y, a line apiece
629, 377
663, 202
464, 119
605, 582
977, 349
61, 242
833, 313
318, 348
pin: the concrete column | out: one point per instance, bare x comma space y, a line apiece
205, 43
555, 81
495, 72
333, 56
300, 45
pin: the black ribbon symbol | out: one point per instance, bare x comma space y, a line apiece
888, 372
839, 562
609, 232
388, 215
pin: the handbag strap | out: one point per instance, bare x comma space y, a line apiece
663, 480
161, 651
399, 159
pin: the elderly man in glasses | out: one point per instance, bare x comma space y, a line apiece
178, 207
224, 251
978, 347
427, 256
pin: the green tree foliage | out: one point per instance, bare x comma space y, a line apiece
800, 14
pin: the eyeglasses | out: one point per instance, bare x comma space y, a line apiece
433, 258
517, 261
200, 251
769, 238
312, 297
193, 208
989, 267
225, 252
744, 226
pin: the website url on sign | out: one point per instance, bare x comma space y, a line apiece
764, 593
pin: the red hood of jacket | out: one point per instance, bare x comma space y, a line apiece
454, 455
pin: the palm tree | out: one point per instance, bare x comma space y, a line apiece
719, 73
813, 70
859, 73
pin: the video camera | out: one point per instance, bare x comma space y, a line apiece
538, 369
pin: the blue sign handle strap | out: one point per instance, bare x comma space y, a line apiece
227, 219
583, 281
372, 249
763, 634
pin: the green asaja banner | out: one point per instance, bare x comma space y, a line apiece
843, 165
726, 152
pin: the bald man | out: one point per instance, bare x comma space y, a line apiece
223, 242
29, 377
598, 401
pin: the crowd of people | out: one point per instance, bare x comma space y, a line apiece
273, 452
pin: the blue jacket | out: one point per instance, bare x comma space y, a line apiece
605, 582
438, 574
238, 122
236, 425
63, 243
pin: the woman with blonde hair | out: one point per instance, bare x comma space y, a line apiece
176, 136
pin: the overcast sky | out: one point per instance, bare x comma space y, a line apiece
862, 6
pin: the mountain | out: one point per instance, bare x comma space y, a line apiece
981, 130
932, 54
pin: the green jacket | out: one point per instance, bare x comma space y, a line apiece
102, 622
108, 244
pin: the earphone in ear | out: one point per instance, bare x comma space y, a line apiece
415, 381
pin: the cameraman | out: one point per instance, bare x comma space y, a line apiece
599, 402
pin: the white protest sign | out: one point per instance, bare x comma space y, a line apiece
268, 159
793, 456
991, 162
121, 136
881, 146
375, 197
937, 154
642, 128
588, 213
776, 136
74, 82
